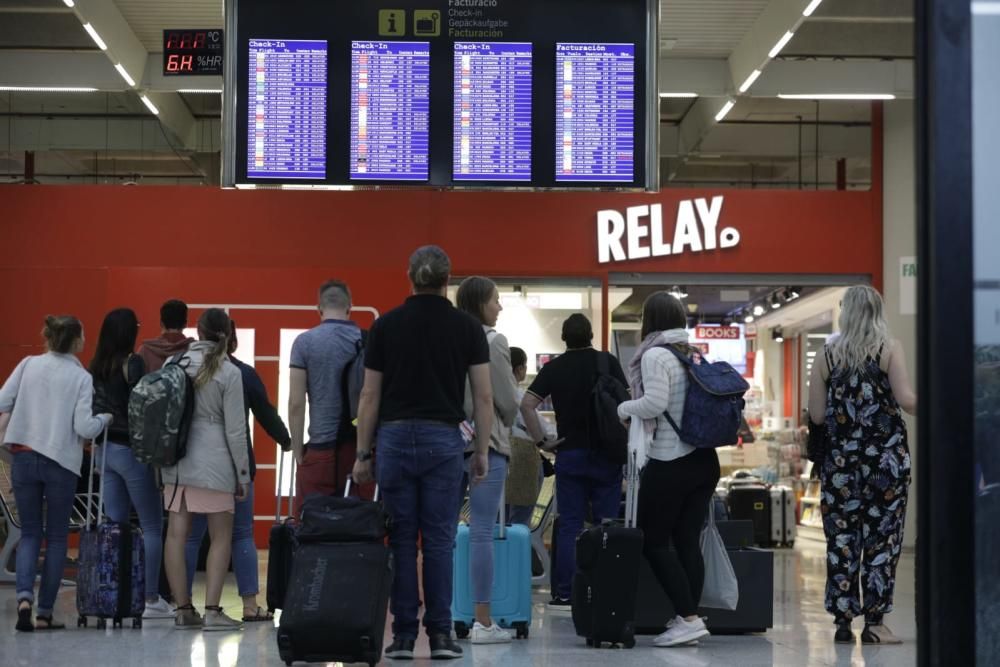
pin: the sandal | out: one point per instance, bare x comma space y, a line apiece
24, 619
49, 623
259, 616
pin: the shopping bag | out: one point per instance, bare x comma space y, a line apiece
638, 442
721, 590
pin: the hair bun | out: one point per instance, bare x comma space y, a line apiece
52, 322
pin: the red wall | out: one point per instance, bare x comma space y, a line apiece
84, 250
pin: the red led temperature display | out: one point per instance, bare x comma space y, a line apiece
192, 52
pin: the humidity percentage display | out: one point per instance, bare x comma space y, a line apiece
595, 113
492, 111
287, 124
390, 111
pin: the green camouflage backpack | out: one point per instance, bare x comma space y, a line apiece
159, 414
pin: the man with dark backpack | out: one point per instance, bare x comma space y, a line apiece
585, 386
322, 362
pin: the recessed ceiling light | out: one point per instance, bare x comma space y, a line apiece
754, 75
808, 11
836, 96
94, 36
69, 3
47, 89
125, 75
150, 105
678, 95
724, 111
782, 43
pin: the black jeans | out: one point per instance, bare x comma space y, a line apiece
673, 505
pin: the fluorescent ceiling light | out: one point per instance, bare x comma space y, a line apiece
47, 89
750, 81
69, 3
808, 11
121, 70
781, 44
679, 95
724, 111
94, 36
986, 8
837, 96
197, 91
150, 105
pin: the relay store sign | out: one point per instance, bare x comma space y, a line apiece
639, 232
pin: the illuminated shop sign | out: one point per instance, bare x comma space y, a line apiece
639, 232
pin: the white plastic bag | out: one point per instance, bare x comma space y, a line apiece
721, 589
638, 442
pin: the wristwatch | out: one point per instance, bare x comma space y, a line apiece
365, 456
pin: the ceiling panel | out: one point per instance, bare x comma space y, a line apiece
149, 18
703, 301
44, 30
706, 28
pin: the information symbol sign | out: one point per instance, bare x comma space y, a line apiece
426, 23
392, 22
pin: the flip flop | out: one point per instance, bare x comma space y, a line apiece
49, 624
260, 616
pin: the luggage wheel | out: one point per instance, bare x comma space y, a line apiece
102, 623
137, 623
522, 630
116, 623
81, 622
629, 643
461, 630
592, 644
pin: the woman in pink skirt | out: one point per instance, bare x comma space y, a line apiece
212, 475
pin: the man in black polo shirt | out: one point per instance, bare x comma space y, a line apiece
416, 364
584, 477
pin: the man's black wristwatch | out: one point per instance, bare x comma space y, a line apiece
365, 456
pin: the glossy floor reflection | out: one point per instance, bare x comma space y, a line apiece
803, 635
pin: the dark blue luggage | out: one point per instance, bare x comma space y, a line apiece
112, 575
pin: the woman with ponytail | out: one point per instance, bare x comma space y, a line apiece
213, 474
46, 405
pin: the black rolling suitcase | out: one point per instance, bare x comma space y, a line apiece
338, 594
752, 502
280, 546
607, 575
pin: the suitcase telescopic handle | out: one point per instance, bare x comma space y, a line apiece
347, 488
90, 480
278, 495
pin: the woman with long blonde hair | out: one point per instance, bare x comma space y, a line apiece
214, 473
858, 391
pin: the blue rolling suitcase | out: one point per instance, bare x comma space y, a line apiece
111, 580
511, 597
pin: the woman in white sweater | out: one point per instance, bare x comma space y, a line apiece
679, 480
213, 474
48, 402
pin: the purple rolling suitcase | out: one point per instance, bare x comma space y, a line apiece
112, 576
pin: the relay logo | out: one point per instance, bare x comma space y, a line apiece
640, 234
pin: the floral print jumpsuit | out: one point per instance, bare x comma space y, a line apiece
865, 478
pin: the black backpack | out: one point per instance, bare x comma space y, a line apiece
607, 433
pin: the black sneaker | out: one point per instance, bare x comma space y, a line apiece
400, 649
443, 647
844, 634
560, 606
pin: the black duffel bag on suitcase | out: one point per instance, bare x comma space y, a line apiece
338, 594
607, 575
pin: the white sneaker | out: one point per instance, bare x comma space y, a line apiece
681, 632
491, 635
159, 609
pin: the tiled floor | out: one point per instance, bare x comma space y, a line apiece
803, 635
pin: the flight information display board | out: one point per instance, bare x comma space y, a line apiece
478, 94
390, 110
492, 111
595, 113
286, 127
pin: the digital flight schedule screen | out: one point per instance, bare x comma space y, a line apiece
595, 112
390, 110
286, 131
492, 111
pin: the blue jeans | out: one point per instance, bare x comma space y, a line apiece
484, 504
583, 479
38, 481
128, 482
419, 472
244, 548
